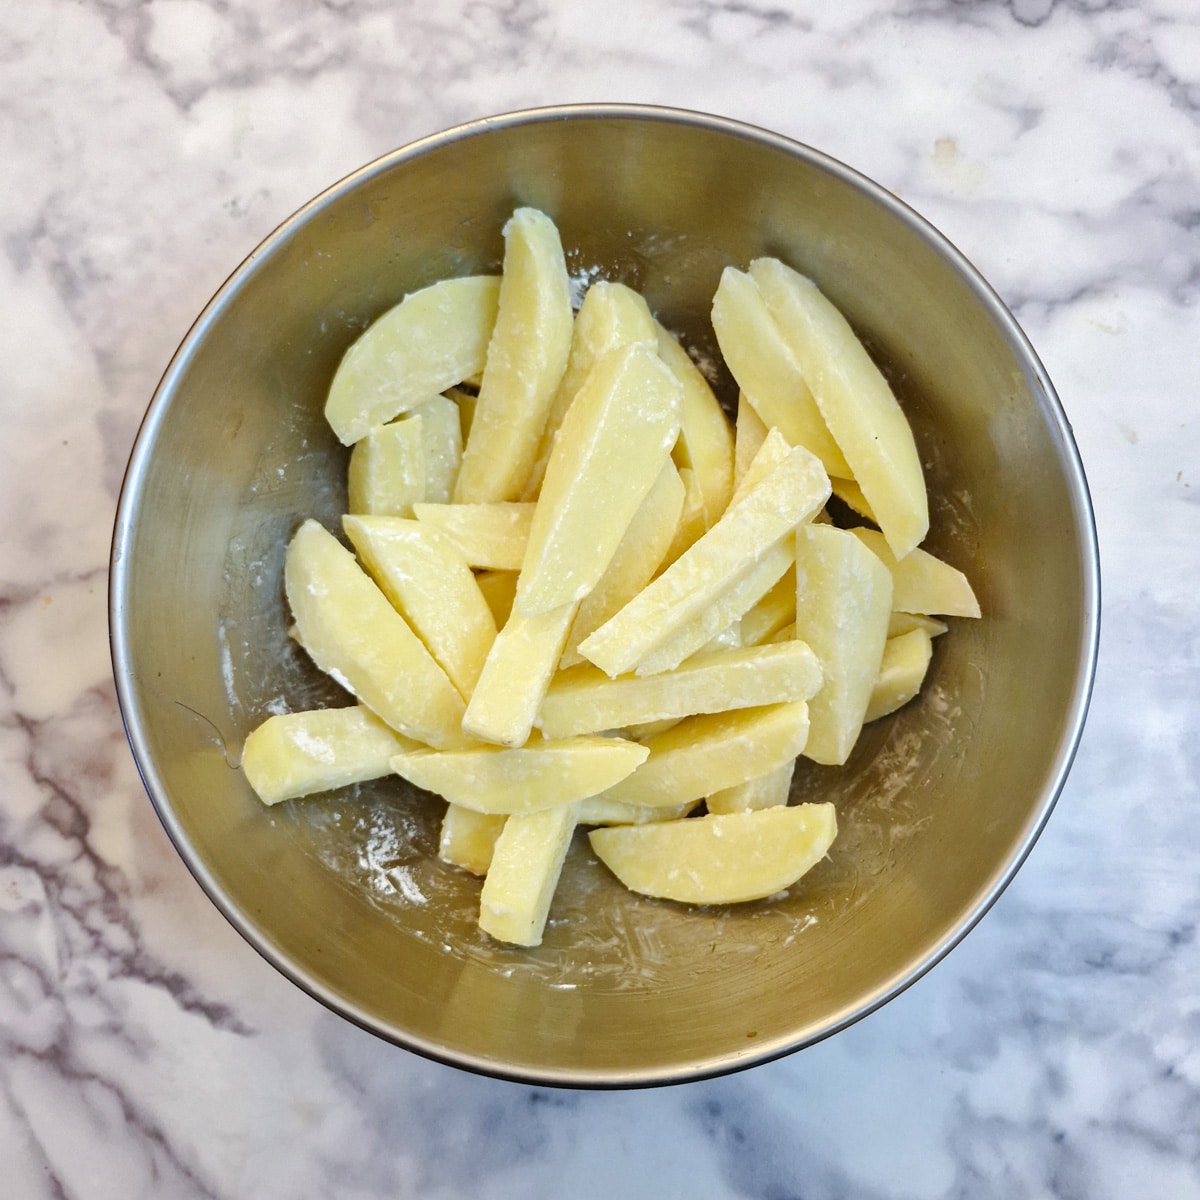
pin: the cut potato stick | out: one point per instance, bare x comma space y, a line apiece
524, 779
793, 492
516, 674
902, 622
636, 559
526, 358
691, 526
585, 700
442, 445
705, 440
611, 316
622, 425
704, 754
353, 633
901, 673
489, 536
767, 369
596, 810
855, 400
431, 340
430, 585
764, 791
775, 610
297, 754
523, 875
851, 495
387, 469
468, 838
843, 599
723, 615
719, 859
921, 582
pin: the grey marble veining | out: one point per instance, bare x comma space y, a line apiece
145, 1050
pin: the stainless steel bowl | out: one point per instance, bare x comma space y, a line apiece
938, 806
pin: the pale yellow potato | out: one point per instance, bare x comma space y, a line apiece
901, 673
464, 399
596, 810
387, 469
923, 583
791, 493
750, 434
705, 439
764, 791
634, 562
585, 700
516, 674
296, 754
353, 633
719, 859
772, 450
620, 427
691, 525
523, 779
855, 400
499, 589
902, 622
526, 358
611, 316
524, 873
768, 370
704, 754
722, 618
442, 445
468, 838
843, 600
430, 585
431, 340
775, 610
490, 537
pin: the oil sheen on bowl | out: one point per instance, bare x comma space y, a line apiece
343, 893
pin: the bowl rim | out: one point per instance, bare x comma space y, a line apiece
120, 636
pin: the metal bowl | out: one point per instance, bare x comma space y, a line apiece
939, 804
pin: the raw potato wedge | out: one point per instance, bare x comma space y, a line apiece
520, 883
719, 859
540, 775
526, 358
430, 585
704, 754
297, 754
851, 495
901, 673
431, 340
921, 582
621, 426
596, 810
855, 400
352, 633
843, 600
705, 440
638, 556
442, 445
387, 470
902, 622
516, 675
585, 700
791, 493
489, 536
691, 526
721, 619
611, 316
499, 589
767, 369
765, 791
468, 838
775, 610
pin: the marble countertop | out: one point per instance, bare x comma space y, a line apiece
146, 1050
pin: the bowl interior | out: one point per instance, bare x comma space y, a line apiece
938, 804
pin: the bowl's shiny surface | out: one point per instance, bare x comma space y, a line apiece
939, 804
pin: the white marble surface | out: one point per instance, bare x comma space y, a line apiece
145, 1050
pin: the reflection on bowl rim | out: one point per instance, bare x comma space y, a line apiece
120, 635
